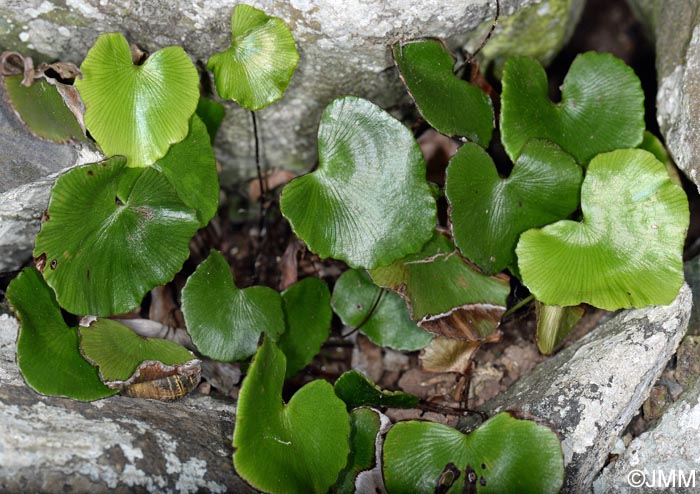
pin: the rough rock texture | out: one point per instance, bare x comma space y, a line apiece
344, 48
591, 390
120, 445
28, 168
691, 270
675, 27
669, 450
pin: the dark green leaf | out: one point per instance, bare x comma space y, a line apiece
41, 107
47, 349
601, 109
489, 213
389, 324
449, 104
368, 203
503, 455
358, 391
365, 425
308, 316
191, 168
224, 321
113, 234
297, 448
212, 113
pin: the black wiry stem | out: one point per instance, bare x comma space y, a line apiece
470, 58
369, 314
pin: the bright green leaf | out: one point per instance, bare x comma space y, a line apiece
389, 324
627, 251
449, 104
41, 107
257, 68
601, 109
504, 455
308, 315
224, 321
554, 323
365, 425
489, 213
137, 111
212, 113
47, 349
368, 203
358, 391
113, 234
117, 351
297, 448
191, 168
436, 281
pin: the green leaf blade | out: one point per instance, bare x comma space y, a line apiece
118, 351
505, 454
225, 322
489, 213
48, 352
450, 105
190, 166
602, 107
388, 325
297, 448
109, 224
368, 203
137, 111
356, 390
365, 425
256, 70
308, 317
627, 251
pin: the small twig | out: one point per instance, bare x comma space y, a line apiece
470, 58
518, 306
369, 314
431, 407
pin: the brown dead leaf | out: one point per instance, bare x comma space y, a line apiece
471, 322
272, 179
449, 355
289, 264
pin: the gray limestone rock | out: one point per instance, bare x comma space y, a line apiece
120, 445
675, 27
29, 166
664, 459
344, 49
591, 390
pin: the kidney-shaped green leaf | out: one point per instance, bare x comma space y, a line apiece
437, 281
113, 234
190, 166
137, 111
47, 349
307, 312
389, 324
117, 351
489, 213
224, 321
601, 109
356, 390
505, 454
297, 448
368, 203
257, 68
627, 251
449, 104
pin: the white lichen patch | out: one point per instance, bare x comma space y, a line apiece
43, 8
